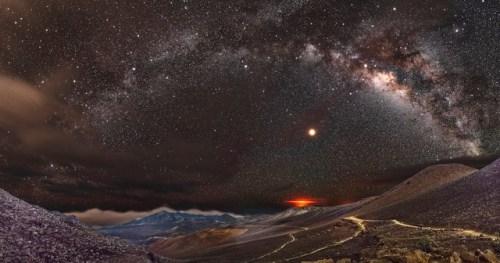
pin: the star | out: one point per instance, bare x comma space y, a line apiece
194, 100
312, 132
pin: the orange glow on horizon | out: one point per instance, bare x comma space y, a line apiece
301, 202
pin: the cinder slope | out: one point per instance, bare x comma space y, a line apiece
182, 245
472, 201
31, 234
427, 180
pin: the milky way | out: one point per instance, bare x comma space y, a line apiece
211, 104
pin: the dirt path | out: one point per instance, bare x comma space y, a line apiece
293, 239
459, 231
361, 227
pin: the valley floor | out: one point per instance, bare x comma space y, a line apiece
356, 240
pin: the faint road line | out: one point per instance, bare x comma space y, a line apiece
464, 232
361, 229
276, 250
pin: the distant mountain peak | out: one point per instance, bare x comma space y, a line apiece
165, 223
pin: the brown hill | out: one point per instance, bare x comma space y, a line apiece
427, 180
470, 201
183, 245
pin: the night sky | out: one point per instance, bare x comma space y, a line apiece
240, 105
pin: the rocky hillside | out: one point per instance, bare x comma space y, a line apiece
471, 201
31, 234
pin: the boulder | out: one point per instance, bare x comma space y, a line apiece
488, 256
466, 255
417, 256
393, 255
455, 258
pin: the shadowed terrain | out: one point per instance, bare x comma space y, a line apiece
472, 201
31, 234
443, 213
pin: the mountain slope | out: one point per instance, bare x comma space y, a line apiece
164, 224
433, 207
189, 244
472, 201
31, 234
425, 181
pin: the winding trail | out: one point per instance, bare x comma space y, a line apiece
360, 223
293, 239
461, 231
361, 229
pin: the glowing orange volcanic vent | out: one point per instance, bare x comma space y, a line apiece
301, 202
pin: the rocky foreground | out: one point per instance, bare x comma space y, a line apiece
463, 254
31, 234
393, 241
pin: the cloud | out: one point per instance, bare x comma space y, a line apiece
46, 126
99, 218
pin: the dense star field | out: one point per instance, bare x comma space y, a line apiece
240, 105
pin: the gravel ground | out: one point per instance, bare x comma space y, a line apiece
31, 234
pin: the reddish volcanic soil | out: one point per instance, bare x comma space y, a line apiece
183, 245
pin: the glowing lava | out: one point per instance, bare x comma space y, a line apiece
301, 202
